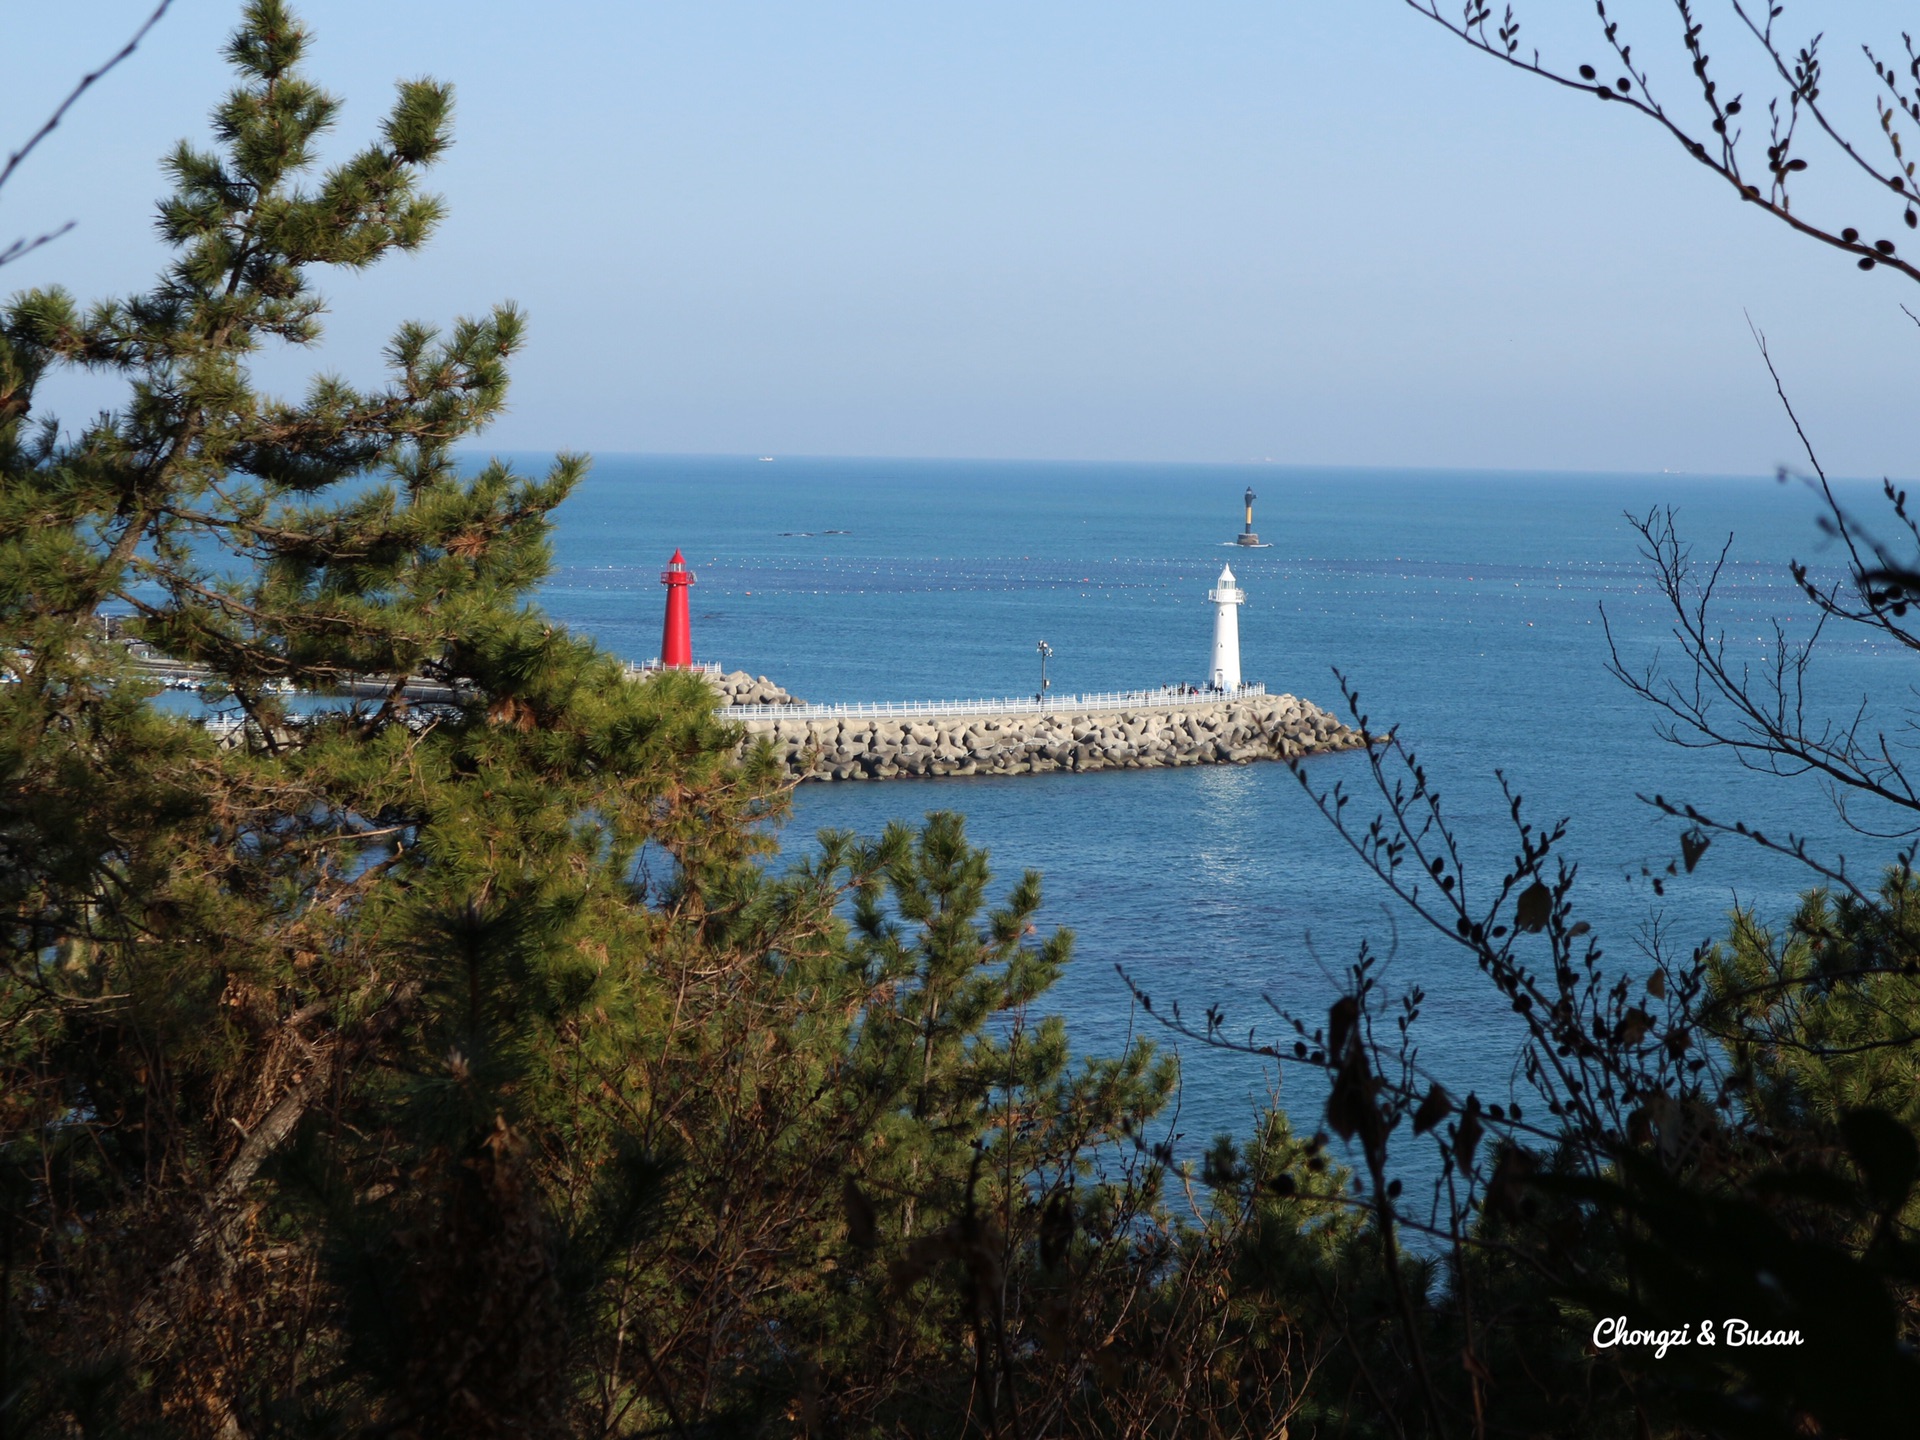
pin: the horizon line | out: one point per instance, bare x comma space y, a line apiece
1778, 476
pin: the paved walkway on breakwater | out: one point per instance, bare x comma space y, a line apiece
1164, 696
1131, 731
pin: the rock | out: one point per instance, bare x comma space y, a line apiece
1200, 732
737, 688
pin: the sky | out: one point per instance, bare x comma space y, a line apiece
1322, 234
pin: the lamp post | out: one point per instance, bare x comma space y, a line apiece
1046, 654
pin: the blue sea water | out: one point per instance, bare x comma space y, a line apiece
1466, 609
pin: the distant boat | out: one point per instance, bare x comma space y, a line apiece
766, 459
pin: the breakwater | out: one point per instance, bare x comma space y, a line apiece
1137, 731
1126, 730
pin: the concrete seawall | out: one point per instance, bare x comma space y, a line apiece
1195, 732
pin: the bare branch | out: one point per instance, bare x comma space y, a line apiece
1801, 73
24, 246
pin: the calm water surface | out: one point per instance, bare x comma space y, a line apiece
1465, 607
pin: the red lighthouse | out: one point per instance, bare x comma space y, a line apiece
676, 639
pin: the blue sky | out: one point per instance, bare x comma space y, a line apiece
1318, 234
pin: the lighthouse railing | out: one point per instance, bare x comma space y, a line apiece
1169, 697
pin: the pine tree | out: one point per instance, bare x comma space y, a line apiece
290, 1012
455, 1064
1820, 1019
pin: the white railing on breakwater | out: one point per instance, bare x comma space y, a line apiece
1167, 697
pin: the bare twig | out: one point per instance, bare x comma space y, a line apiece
24, 246
1800, 72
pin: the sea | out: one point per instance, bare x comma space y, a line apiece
1474, 613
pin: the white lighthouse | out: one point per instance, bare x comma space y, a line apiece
1227, 597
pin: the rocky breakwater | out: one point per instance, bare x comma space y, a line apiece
821, 746
737, 687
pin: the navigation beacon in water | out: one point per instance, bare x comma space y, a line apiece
1227, 598
1246, 536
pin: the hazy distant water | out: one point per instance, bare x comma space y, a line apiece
1464, 606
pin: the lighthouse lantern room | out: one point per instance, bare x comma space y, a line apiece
1227, 598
